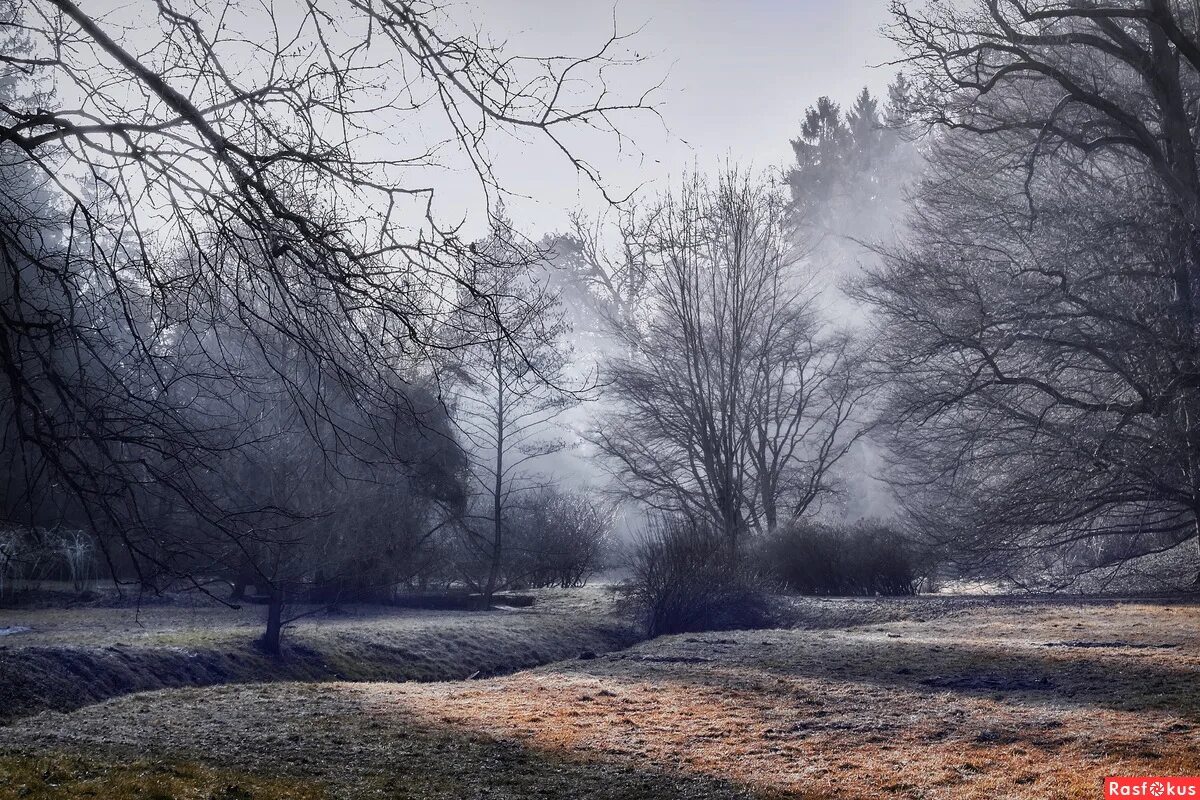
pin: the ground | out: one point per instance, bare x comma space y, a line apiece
975, 699
64, 658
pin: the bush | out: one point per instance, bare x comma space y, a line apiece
684, 580
12, 553
865, 559
31, 555
550, 538
557, 539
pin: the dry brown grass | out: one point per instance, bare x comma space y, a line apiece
982, 705
1003, 701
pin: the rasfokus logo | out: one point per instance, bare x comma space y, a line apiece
1152, 787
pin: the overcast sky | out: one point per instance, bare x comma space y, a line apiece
738, 78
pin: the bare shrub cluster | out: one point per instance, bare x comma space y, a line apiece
31, 555
685, 578
559, 538
862, 559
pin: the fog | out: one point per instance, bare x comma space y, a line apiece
290, 283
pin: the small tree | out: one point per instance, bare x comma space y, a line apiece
512, 366
12, 551
77, 551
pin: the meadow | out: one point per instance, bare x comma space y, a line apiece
919, 698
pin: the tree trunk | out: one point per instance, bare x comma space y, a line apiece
273, 635
732, 532
245, 576
238, 593
497, 544
770, 510
1196, 583
493, 572
497, 488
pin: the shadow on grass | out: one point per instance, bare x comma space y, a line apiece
38, 678
65, 776
324, 739
1118, 678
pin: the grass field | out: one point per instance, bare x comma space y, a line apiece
71, 657
992, 699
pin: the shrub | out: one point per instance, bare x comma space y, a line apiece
684, 580
31, 555
557, 539
865, 559
12, 548
76, 551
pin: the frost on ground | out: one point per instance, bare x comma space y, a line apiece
1001, 700
72, 657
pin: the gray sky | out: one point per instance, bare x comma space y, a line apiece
739, 76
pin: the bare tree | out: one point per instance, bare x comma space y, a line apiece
608, 281
805, 410
733, 403
271, 144
1044, 314
513, 384
324, 476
